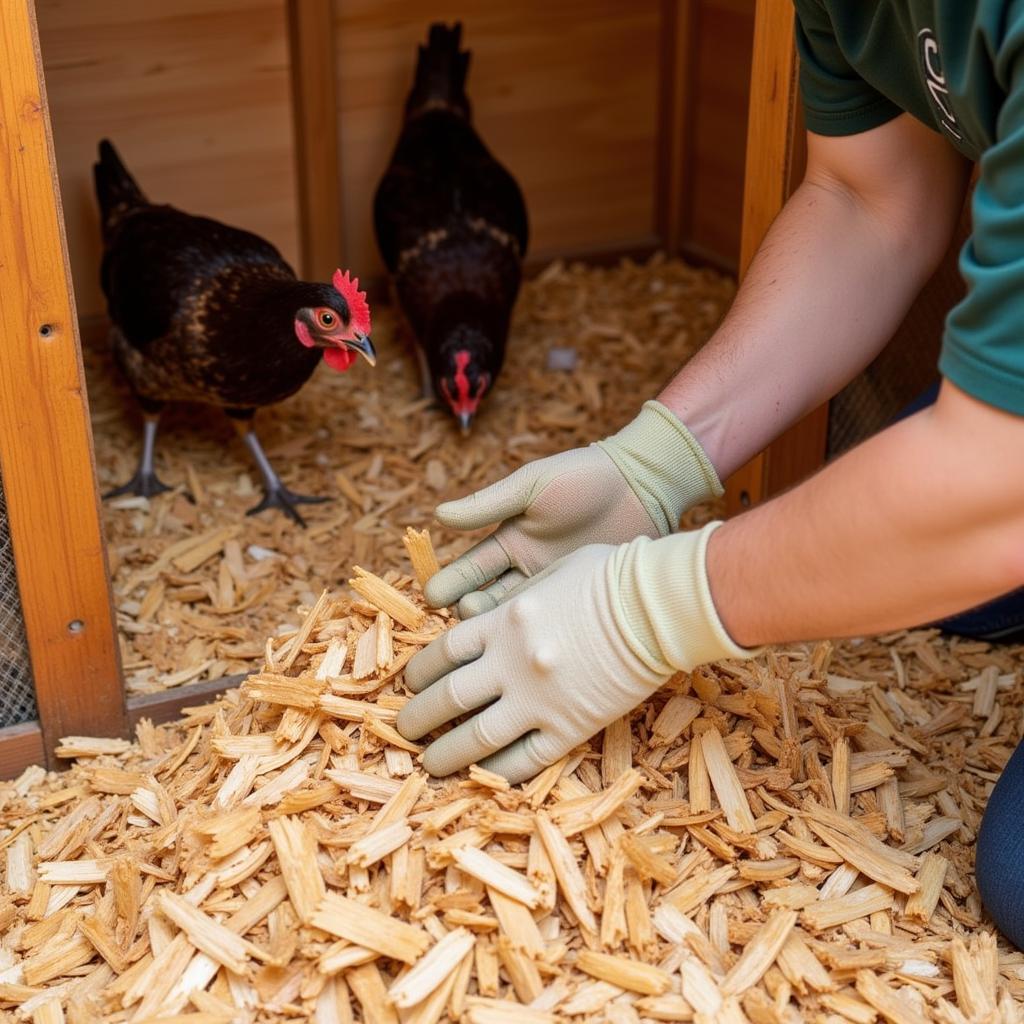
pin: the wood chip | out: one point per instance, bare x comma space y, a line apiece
296, 850
725, 782
365, 926
570, 880
623, 972
421, 554
432, 969
760, 952
386, 598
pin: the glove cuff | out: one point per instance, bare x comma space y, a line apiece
663, 603
664, 465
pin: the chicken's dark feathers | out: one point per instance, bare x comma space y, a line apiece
201, 311
441, 70
117, 191
450, 221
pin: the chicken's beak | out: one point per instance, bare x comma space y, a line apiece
465, 421
361, 343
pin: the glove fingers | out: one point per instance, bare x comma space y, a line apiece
469, 572
465, 689
522, 759
471, 742
502, 500
480, 601
463, 643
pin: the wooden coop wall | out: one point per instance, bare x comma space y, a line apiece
194, 93
722, 41
625, 126
559, 96
198, 96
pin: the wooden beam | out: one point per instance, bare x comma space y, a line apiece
167, 706
45, 439
775, 158
315, 106
20, 746
674, 123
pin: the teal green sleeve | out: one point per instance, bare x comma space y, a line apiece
837, 101
983, 345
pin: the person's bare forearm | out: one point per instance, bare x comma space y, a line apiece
831, 283
923, 520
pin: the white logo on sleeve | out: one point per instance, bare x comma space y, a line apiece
935, 81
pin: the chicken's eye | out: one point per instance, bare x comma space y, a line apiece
326, 318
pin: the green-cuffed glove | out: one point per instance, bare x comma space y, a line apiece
578, 646
635, 483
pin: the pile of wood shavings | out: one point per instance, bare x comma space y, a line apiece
199, 586
777, 841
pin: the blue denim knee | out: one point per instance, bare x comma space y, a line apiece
999, 855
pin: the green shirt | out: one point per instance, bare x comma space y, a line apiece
958, 66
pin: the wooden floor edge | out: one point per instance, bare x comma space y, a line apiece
20, 746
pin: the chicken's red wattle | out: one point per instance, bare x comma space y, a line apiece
339, 359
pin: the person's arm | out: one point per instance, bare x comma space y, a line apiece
924, 519
830, 284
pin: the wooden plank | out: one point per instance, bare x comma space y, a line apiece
45, 436
20, 746
167, 706
315, 115
722, 33
674, 116
775, 156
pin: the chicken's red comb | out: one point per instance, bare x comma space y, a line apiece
348, 288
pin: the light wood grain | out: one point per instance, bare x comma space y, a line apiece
718, 96
774, 165
45, 438
624, 123
20, 746
564, 94
315, 102
675, 150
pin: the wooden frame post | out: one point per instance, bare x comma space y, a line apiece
674, 89
315, 115
774, 163
45, 438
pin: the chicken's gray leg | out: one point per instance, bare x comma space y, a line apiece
426, 381
275, 494
145, 483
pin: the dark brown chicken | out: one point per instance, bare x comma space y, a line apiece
452, 228
203, 312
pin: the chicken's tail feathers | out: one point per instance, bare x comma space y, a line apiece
441, 72
116, 190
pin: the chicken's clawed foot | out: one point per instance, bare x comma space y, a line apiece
145, 484
280, 497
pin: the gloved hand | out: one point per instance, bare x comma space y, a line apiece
578, 646
637, 482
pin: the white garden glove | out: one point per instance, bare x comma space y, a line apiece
637, 482
580, 645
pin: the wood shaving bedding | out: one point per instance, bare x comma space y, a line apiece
271, 857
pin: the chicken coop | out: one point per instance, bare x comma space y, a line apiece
239, 830
279, 117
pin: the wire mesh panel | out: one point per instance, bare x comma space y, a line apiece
17, 696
